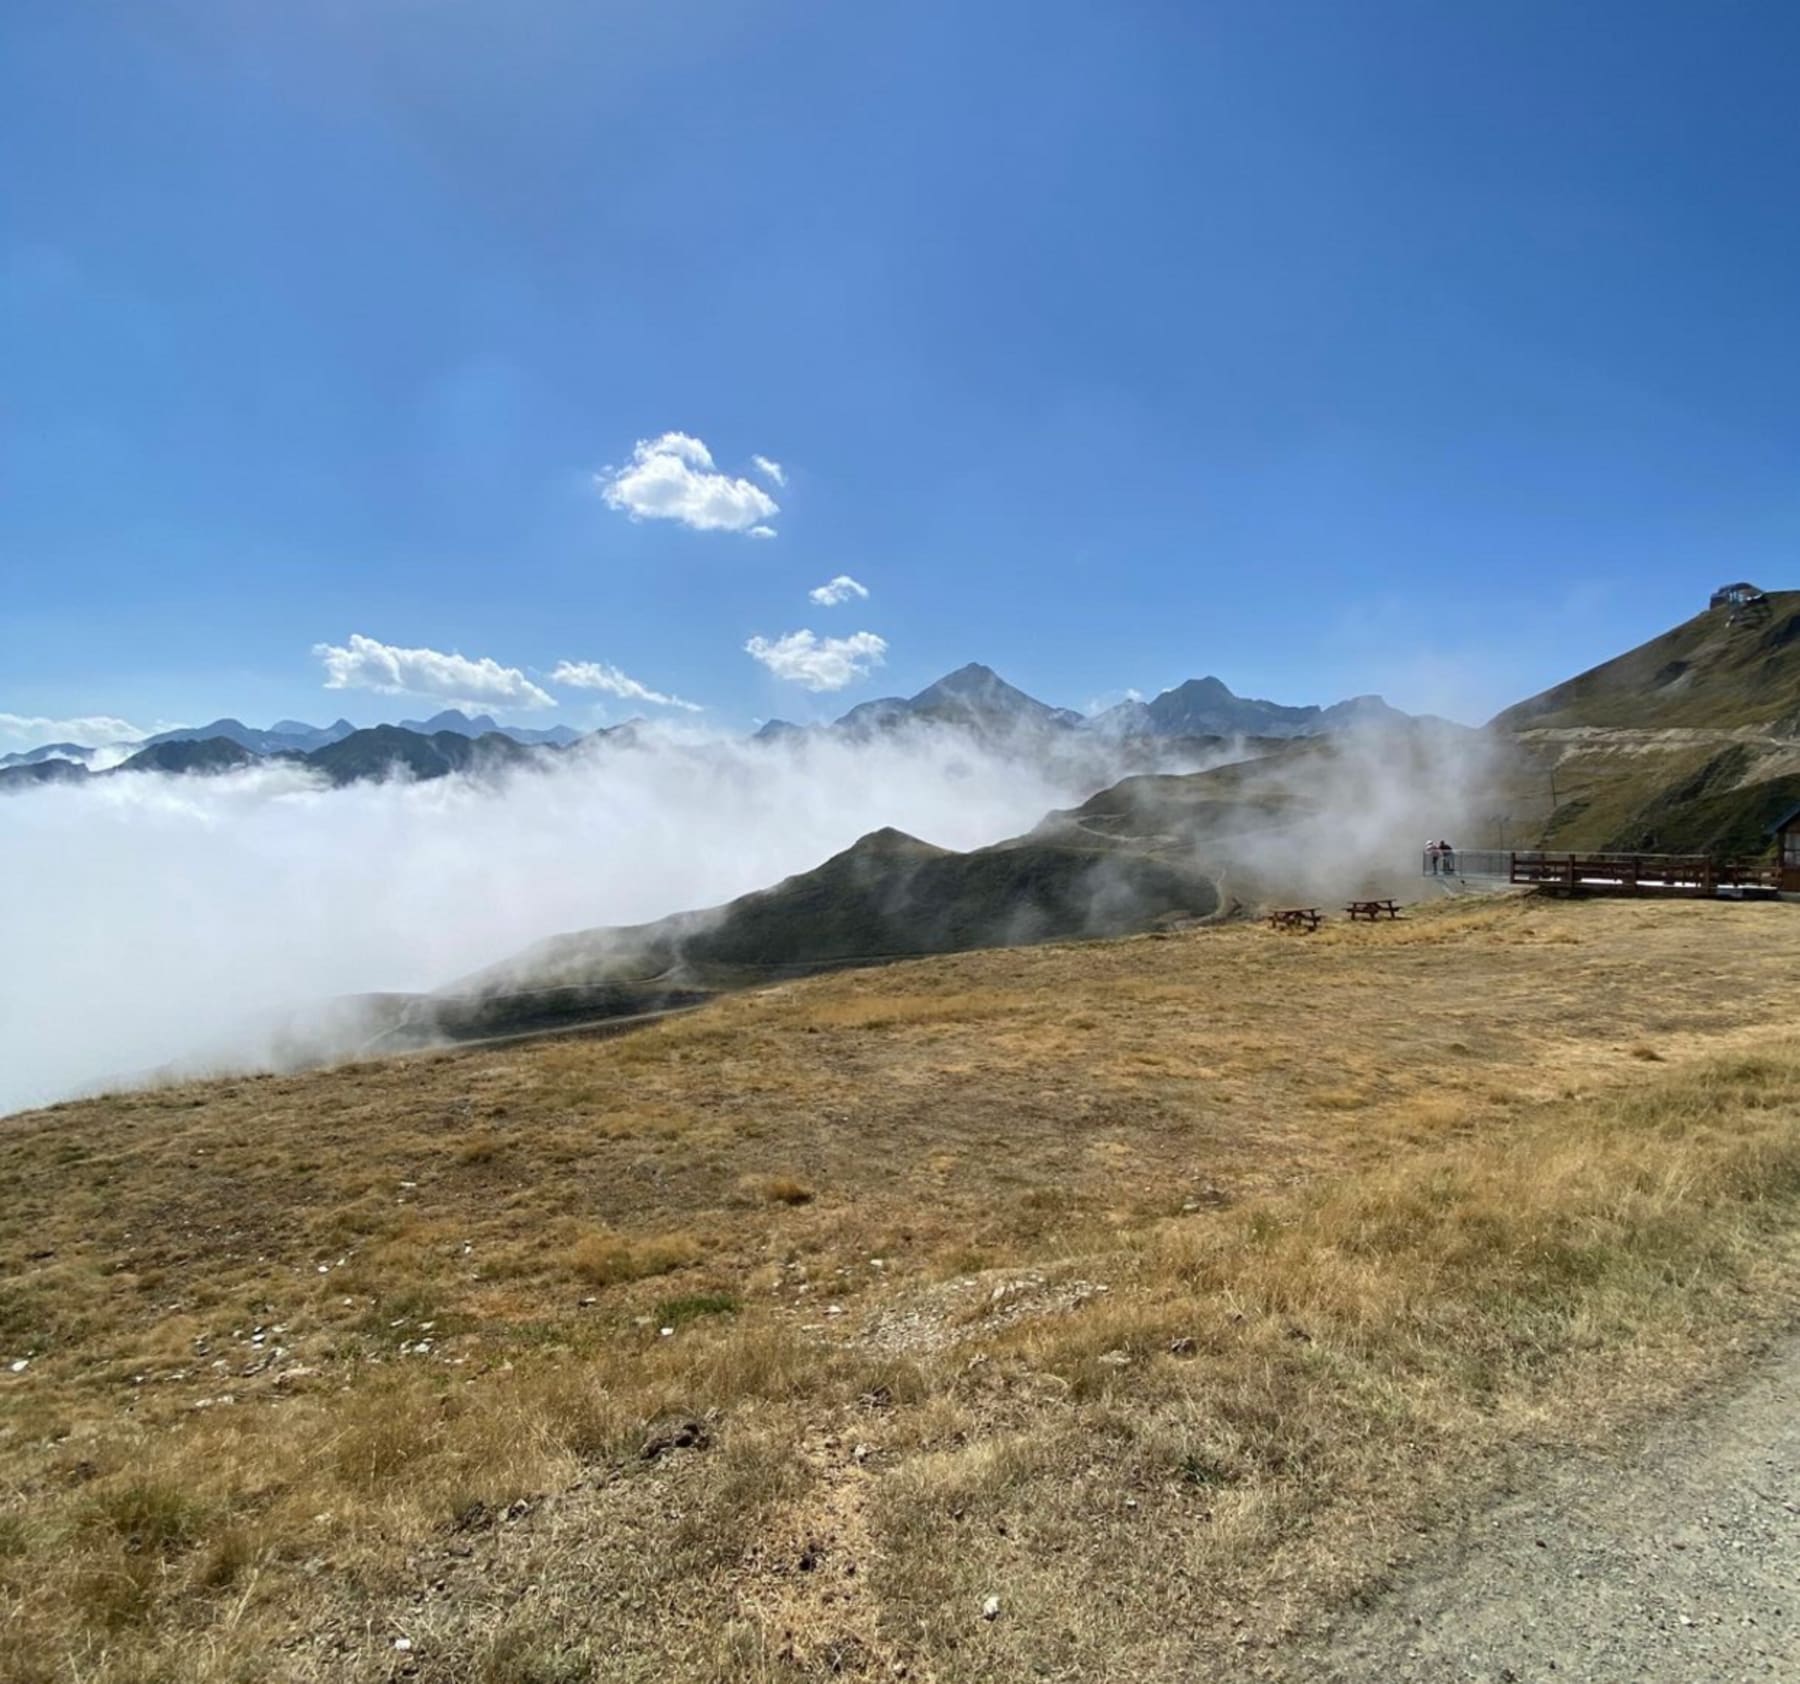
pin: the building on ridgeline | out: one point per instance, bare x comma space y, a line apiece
1748, 603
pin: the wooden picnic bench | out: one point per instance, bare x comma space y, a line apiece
1373, 909
1304, 919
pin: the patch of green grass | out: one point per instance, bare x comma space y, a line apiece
398, 1319
148, 1517
672, 1312
13, 1539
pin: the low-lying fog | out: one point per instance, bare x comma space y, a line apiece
148, 914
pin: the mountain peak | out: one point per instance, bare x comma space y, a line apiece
978, 692
888, 842
1208, 687
973, 682
974, 675
452, 719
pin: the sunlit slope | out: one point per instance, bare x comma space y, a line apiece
1165, 1289
1706, 672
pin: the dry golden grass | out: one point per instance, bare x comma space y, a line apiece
1162, 1288
603, 1258
776, 1189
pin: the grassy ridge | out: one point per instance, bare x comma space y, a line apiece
889, 895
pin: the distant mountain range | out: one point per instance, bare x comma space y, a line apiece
340, 750
295, 736
978, 698
1205, 707
285, 736
48, 751
362, 756
974, 699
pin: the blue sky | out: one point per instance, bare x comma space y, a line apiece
1434, 349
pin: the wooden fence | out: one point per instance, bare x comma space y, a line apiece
1605, 873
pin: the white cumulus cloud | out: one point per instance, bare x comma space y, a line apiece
840, 589
364, 664
820, 663
597, 675
773, 472
89, 730
674, 478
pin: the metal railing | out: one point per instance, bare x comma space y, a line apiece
1470, 862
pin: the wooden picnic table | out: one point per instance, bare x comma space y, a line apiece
1304, 919
1373, 909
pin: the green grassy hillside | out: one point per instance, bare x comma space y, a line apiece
1712, 812
888, 896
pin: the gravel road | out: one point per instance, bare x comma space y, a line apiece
1681, 1566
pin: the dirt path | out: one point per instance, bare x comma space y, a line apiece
1680, 1567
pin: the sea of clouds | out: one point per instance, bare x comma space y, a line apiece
148, 914
160, 919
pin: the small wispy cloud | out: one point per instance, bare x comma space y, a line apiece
598, 675
841, 589
773, 472
674, 478
365, 664
93, 730
819, 663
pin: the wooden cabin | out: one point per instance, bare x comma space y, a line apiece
1786, 832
